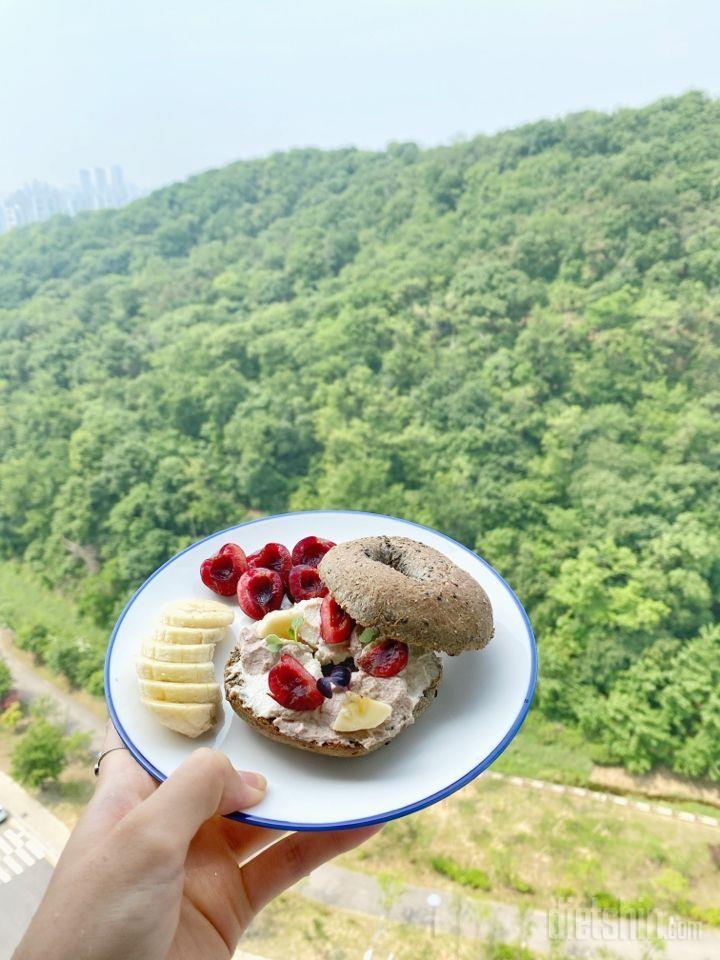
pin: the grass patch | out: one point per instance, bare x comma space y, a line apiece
535, 846
544, 750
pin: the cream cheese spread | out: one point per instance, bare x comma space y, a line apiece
246, 680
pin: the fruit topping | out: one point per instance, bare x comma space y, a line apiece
309, 551
292, 686
283, 623
384, 659
260, 591
222, 571
304, 583
360, 713
348, 663
273, 556
335, 625
340, 676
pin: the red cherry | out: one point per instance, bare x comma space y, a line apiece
260, 591
222, 571
309, 551
384, 659
335, 625
273, 556
304, 583
292, 686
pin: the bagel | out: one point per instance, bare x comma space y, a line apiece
408, 591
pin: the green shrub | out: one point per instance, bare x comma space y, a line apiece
638, 906
40, 755
33, 638
74, 658
10, 718
508, 951
521, 886
607, 901
709, 915
467, 876
6, 681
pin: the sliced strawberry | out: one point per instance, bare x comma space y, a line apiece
335, 625
260, 591
384, 659
222, 571
292, 686
273, 556
304, 583
309, 551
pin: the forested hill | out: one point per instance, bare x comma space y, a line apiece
513, 339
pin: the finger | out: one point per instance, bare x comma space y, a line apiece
120, 773
247, 841
295, 857
121, 785
204, 785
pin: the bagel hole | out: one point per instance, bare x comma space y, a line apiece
397, 561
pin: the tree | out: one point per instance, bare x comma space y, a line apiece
514, 339
40, 755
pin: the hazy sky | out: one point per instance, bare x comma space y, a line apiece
170, 87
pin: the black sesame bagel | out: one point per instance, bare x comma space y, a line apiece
408, 591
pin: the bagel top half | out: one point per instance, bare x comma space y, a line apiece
409, 591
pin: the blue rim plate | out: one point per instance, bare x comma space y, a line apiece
482, 701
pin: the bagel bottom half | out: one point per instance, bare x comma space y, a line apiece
348, 747
408, 693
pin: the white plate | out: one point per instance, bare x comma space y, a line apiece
481, 703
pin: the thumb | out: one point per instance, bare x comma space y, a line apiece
204, 785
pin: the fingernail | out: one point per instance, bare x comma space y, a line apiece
255, 780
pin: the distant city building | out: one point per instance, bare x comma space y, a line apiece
94, 191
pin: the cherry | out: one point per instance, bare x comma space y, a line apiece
304, 583
384, 659
310, 550
335, 625
222, 571
260, 591
273, 556
292, 686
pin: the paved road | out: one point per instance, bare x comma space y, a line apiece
30, 685
24, 874
586, 936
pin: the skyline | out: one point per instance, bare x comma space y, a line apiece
175, 89
38, 200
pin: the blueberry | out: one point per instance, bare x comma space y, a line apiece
325, 687
340, 676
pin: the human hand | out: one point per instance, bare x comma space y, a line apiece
153, 872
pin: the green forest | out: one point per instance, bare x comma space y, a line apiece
513, 339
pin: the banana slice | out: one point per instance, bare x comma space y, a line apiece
190, 719
187, 635
278, 622
175, 672
178, 652
197, 613
360, 713
179, 692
